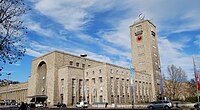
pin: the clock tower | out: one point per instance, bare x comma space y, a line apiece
145, 60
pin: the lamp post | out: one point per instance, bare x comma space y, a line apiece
7, 86
83, 55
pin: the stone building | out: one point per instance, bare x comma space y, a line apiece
16, 92
65, 78
145, 60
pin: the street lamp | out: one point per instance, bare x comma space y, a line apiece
7, 85
83, 55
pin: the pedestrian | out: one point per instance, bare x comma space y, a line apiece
23, 106
106, 104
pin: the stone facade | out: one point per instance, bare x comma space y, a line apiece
68, 79
65, 78
16, 92
145, 60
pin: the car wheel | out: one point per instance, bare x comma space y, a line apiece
166, 107
150, 107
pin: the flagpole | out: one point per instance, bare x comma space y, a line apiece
132, 86
161, 89
197, 94
196, 77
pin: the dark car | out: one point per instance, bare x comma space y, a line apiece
2, 102
197, 105
160, 104
61, 105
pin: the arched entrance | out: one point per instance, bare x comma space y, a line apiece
41, 79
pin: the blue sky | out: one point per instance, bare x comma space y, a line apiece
100, 28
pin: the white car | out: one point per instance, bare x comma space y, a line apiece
160, 104
82, 104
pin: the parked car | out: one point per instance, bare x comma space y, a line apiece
61, 105
13, 102
2, 102
197, 105
39, 105
82, 104
160, 104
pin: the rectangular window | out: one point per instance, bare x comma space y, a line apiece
77, 64
62, 82
112, 99
73, 87
62, 86
100, 79
71, 63
73, 82
101, 98
100, 71
83, 65
138, 30
87, 81
111, 71
153, 33
140, 54
140, 46
93, 80
142, 62
117, 72
81, 85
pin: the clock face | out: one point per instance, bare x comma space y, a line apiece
139, 38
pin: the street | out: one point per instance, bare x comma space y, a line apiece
16, 108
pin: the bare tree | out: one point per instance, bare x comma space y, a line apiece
192, 87
12, 31
175, 84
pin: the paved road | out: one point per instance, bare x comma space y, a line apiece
16, 108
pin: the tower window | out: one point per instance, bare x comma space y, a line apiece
100, 79
93, 80
153, 33
83, 65
140, 46
141, 63
141, 54
138, 30
71, 63
111, 71
77, 64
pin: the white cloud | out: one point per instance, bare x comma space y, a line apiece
38, 29
71, 14
197, 42
120, 36
74, 15
170, 53
117, 52
169, 17
33, 53
40, 47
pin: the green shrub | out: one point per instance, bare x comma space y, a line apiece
191, 99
